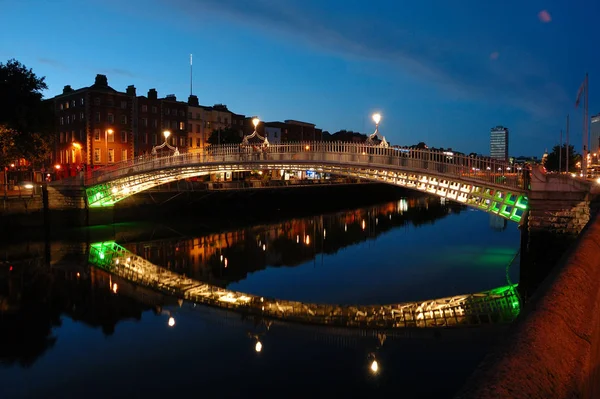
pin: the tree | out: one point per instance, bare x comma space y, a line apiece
26, 121
552, 160
225, 136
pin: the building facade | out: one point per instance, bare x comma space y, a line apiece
94, 126
499, 143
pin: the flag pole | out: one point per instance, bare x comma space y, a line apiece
568, 149
587, 122
560, 147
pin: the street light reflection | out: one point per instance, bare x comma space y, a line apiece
258, 346
171, 321
374, 366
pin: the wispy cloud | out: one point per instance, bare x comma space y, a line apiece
52, 62
118, 71
459, 67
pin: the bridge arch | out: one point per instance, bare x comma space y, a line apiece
481, 183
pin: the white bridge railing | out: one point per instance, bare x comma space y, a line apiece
442, 164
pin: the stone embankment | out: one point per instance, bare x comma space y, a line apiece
553, 349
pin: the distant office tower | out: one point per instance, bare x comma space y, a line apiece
595, 134
499, 143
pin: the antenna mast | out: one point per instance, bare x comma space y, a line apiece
191, 91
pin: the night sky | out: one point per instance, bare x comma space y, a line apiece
439, 71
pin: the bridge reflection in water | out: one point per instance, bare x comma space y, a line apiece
500, 305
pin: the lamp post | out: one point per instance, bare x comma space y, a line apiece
106, 133
166, 133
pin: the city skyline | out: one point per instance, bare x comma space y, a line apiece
334, 67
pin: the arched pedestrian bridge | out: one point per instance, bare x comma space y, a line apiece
485, 184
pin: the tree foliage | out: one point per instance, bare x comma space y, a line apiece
26, 121
225, 136
552, 161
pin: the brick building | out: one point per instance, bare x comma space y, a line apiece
94, 126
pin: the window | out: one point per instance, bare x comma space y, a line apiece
67, 105
81, 135
123, 136
123, 119
173, 125
197, 128
110, 118
145, 137
144, 122
62, 137
275, 134
167, 111
226, 120
81, 101
62, 120
182, 141
144, 108
181, 113
197, 115
154, 110
97, 117
123, 155
111, 155
197, 142
190, 115
81, 116
61, 106
73, 103
155, 123
73, 136
74, 117
190, 127
124, 104
96, 134
110, 102
182, 126
68, 119
97, 155
96, 100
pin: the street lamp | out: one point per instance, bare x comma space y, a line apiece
376, 119
106, 133
255, 122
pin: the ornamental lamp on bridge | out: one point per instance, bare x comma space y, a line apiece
371, 140
246, 139
175, 150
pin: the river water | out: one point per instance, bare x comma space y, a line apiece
67, 331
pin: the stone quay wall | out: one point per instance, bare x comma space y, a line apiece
553, 349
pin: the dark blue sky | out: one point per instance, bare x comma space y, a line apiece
439, 71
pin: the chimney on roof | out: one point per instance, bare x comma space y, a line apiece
171, 97
101, 80
67, 89
193, 101
131, 90
152, 94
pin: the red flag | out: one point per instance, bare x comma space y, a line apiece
579, 93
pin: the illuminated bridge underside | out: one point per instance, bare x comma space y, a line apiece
497, 199
500, 305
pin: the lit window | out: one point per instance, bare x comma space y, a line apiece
97, 155
111, 155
